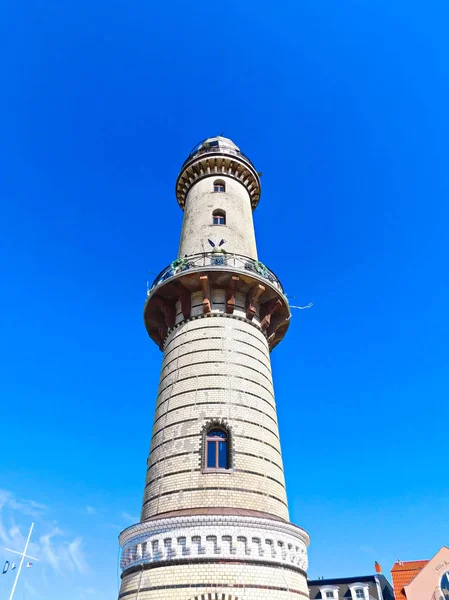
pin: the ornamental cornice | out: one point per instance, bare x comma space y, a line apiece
211, 163
214, 537
216, 596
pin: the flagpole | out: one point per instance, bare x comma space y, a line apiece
21, 563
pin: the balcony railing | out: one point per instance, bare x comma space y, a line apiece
223, 149
217, 260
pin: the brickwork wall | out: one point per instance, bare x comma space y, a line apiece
215, 368
188, 582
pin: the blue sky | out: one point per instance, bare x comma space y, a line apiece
343, 107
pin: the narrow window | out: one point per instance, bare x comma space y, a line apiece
219, 217
219, 186
217, 449
330, 595
360, 593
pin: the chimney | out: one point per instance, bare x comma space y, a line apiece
377, 567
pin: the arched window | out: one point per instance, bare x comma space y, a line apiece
219, 186
329, 591
359, 590
219, 217
217, 456
445, 584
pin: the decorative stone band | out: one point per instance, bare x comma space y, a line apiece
218, 161
214, 537
215, 596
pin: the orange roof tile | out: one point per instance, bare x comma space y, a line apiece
403, 573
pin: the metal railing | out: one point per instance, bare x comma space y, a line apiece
219, 260
223, 149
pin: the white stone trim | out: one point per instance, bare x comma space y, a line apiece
379, 589
358, 584
329, 588
215, 596
213, 537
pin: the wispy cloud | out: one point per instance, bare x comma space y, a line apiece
132, 518
368, 550
30, 589
55, 548
89, 591
25, 507
77, 555
115, 527
63, 556
48, 549
90, 510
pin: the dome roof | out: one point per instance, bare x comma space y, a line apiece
220, 141
216, 155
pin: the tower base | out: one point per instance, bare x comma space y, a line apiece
214, 557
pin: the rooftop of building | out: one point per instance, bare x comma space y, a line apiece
409, 565
378, 586
345, 580
403, 572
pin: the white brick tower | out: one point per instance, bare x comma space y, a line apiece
214, 523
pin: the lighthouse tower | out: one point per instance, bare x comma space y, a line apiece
215, 522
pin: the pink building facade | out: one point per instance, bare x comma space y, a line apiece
430, 583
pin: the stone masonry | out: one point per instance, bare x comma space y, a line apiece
215, 526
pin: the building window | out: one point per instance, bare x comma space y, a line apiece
445, 584
219, 217
219, 186
359, 590
329, 591
217, 449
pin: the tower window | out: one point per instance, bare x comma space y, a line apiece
217, 449
219, 186
219, 217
